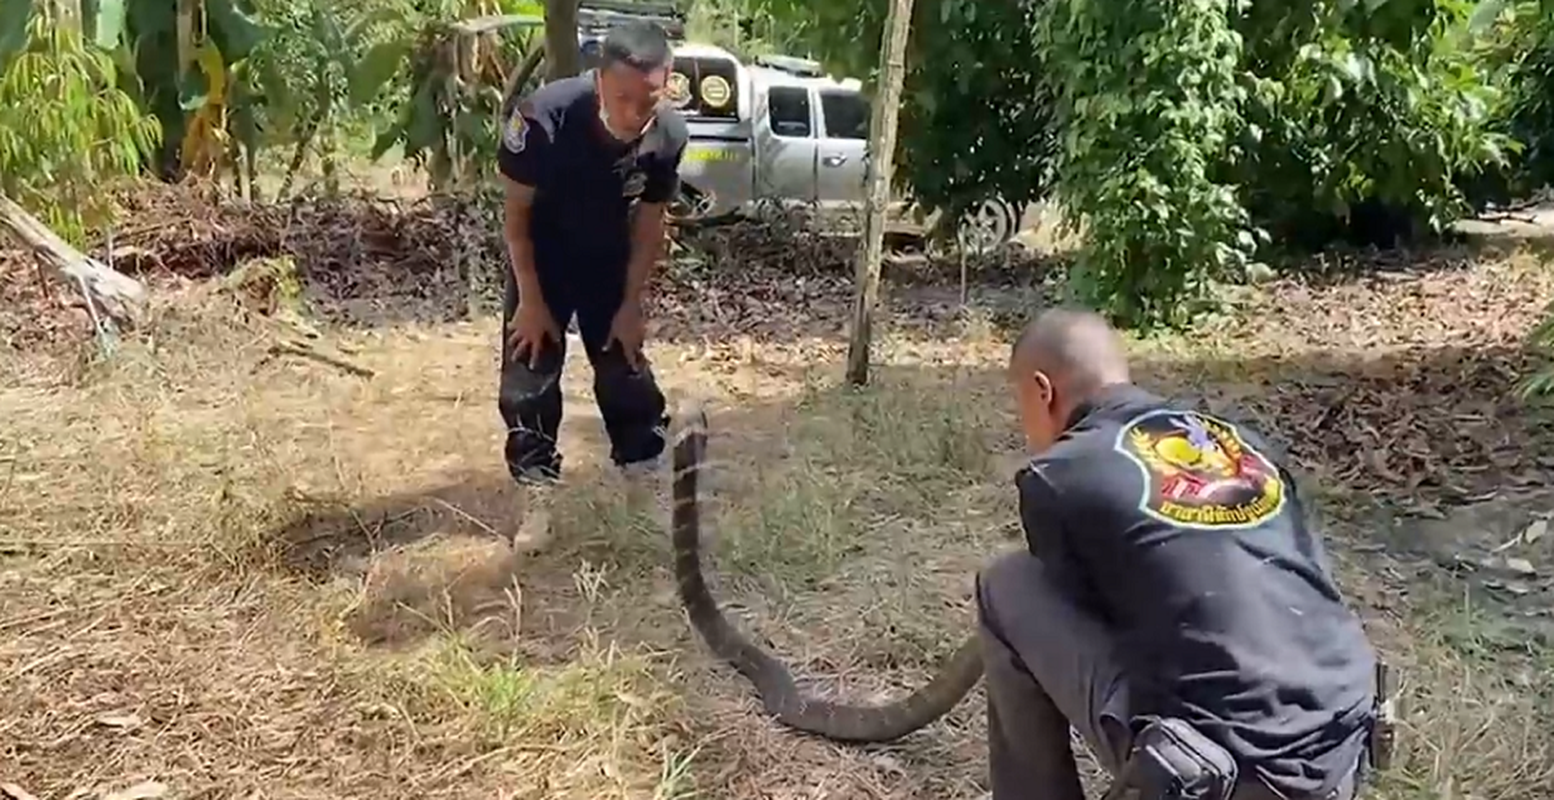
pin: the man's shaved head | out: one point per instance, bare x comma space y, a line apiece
1060, 360
1075, 348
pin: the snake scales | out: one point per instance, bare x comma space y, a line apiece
775, 685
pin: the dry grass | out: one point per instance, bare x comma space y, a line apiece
246, 577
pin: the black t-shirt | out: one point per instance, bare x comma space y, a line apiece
586, 181
1182, 532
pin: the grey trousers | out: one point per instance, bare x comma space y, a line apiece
1050, 665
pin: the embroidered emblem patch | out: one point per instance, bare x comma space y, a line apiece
1199, 472
515, 134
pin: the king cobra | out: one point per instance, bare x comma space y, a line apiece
779, 693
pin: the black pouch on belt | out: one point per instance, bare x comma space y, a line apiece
1172, 760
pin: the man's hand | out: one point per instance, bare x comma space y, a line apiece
530, 325
627, 332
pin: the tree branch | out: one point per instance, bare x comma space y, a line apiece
121, 297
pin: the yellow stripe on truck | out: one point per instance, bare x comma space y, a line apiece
695, 153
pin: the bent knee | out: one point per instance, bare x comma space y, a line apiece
1014, 570
1015, 583
612, 366
521, 388
616, 383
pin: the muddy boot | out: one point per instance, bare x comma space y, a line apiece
534, 506
642, 489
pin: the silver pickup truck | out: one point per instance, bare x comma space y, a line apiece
779, 133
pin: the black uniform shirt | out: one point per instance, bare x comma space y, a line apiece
586, 181
1180, 530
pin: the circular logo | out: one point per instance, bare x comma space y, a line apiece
678, 89
1199, 472
715, 91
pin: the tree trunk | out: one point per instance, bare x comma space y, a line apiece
119, 296
563, 59
882, 147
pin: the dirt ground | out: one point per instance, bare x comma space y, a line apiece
227, 572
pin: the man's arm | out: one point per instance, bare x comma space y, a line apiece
1049, 536
519, 202
521, 159
647, 225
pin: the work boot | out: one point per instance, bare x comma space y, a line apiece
641, 488
534, 504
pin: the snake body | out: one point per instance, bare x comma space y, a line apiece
779, 693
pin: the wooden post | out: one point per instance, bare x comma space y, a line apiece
882, 147
563, 58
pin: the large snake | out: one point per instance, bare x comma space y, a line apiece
773, 682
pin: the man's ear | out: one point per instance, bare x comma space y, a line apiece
1043, 386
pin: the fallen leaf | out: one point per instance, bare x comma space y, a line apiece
1537, 530
1427, 512
1521, 566
631, 699
146, 790
119, 720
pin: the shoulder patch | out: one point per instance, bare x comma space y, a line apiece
635, 185
1200, 472
515, 134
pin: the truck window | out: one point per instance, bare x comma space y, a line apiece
788, 107
846, 113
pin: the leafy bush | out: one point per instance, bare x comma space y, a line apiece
1364, 123
66, 128
1148, 102
1520, 48
1187, 136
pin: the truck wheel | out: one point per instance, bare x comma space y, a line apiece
986, 226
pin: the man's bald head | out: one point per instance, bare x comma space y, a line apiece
1077, 350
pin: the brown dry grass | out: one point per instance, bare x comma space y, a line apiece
245, 577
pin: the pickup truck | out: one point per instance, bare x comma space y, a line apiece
778, 133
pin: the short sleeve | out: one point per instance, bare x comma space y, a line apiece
1040, 513
1050, 535
525, 148
663, 179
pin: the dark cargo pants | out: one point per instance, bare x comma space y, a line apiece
1050, 665
530, 399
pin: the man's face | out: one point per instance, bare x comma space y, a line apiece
628, 97
1037, 404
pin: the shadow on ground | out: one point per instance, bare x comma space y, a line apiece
1418, 433
1422, 462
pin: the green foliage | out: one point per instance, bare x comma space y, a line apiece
179, 59
1520, 49
66, 129
1541, 340
976, 113
14, 18
1147, 99
1363, 122
1531, 100
447, 111
740, 26
320, 72
1187, 137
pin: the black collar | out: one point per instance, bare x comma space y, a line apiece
1108, 396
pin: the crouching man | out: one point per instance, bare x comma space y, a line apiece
1171, 575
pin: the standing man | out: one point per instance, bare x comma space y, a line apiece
590, 163
1171, 574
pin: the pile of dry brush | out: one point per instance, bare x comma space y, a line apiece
364, 260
